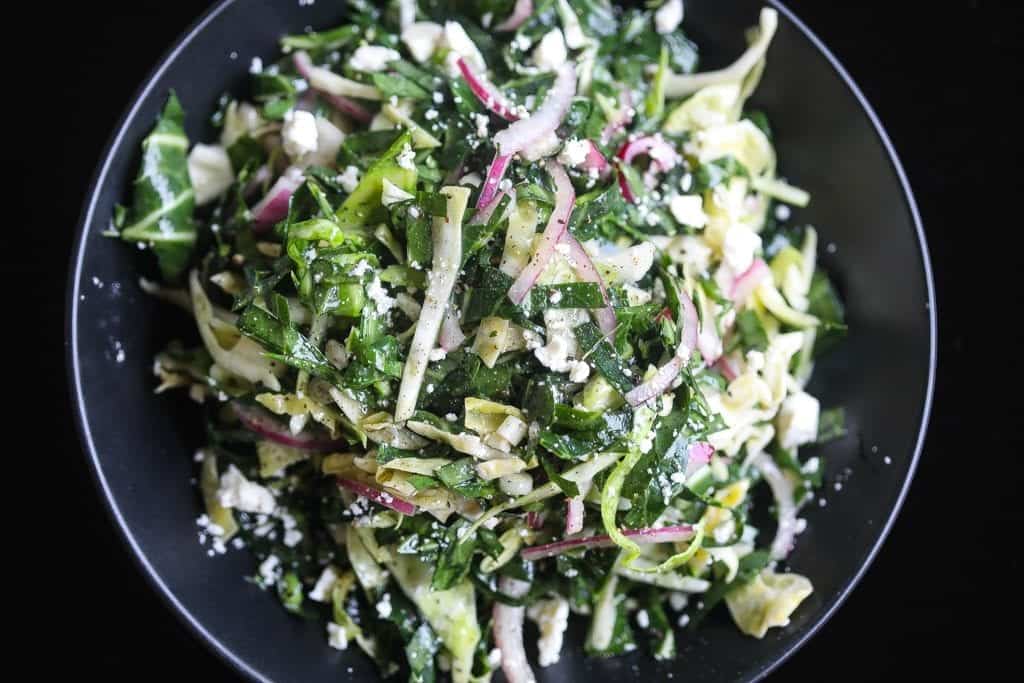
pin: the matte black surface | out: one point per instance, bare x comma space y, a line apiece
153, 472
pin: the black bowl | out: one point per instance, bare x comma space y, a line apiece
829, 141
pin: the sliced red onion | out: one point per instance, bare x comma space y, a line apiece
545, 120
744, 285
662, 380
483, 214
785, 507
587, 272
451, 336
709, 344
624, 118
728, 370
274, 206
520, 13
663, 157
574, 512
304, 65
508, 632
667, 534
261, 421
377, 496
488, 95
700, 455
558, 225
535, 520
595, 161
492, 183
348, 107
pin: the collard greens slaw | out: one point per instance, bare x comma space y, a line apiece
501, 317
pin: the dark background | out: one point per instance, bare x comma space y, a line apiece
943, 594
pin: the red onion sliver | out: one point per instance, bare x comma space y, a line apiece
492, 183
259, 420
744, 285
587, 272
595, 161
668, 534
535, 520
451, 336
508, 632
274, 206
700, 454
377, 496
492, 100
520, 13
558, 225
574, 512
662, 380
663, 157
728, 370
545, 120
304, 65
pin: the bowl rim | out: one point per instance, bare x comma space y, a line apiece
170, 600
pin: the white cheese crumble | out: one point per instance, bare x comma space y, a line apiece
384, 606
437, 354
209, 169
669, 16
269, 570
407, 158
379, 296
299, 133
481, 122
348, 180
322, 589
551, 52
688, 209
336, 636
643, 620
797, 421
741, 243
372, 58
256, 65
574, 152
421, 38
579, 372
552, 617
237, 492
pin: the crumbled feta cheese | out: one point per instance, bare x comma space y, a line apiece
643, 620
556, 297
561, 347
678, 601
407, 158
459, 43
523, 42
292, 537
494, 658
322, 589
349, 179
437, 354
669, 16
379, 296
579, 372
755, 360
574, 152
551, 52
438, 97
552, 617
392, 194
256, 65
209, 169
688, 209
237, 492
372, 58
361, 268
739, 247
782, 212
421, 38
384, 606
336, 636
430, 114
299, 133
797, 421
481, 122
269, 570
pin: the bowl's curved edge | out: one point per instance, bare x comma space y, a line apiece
71, 348
932, 330
85, 436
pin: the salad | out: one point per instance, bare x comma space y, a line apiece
503, 318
